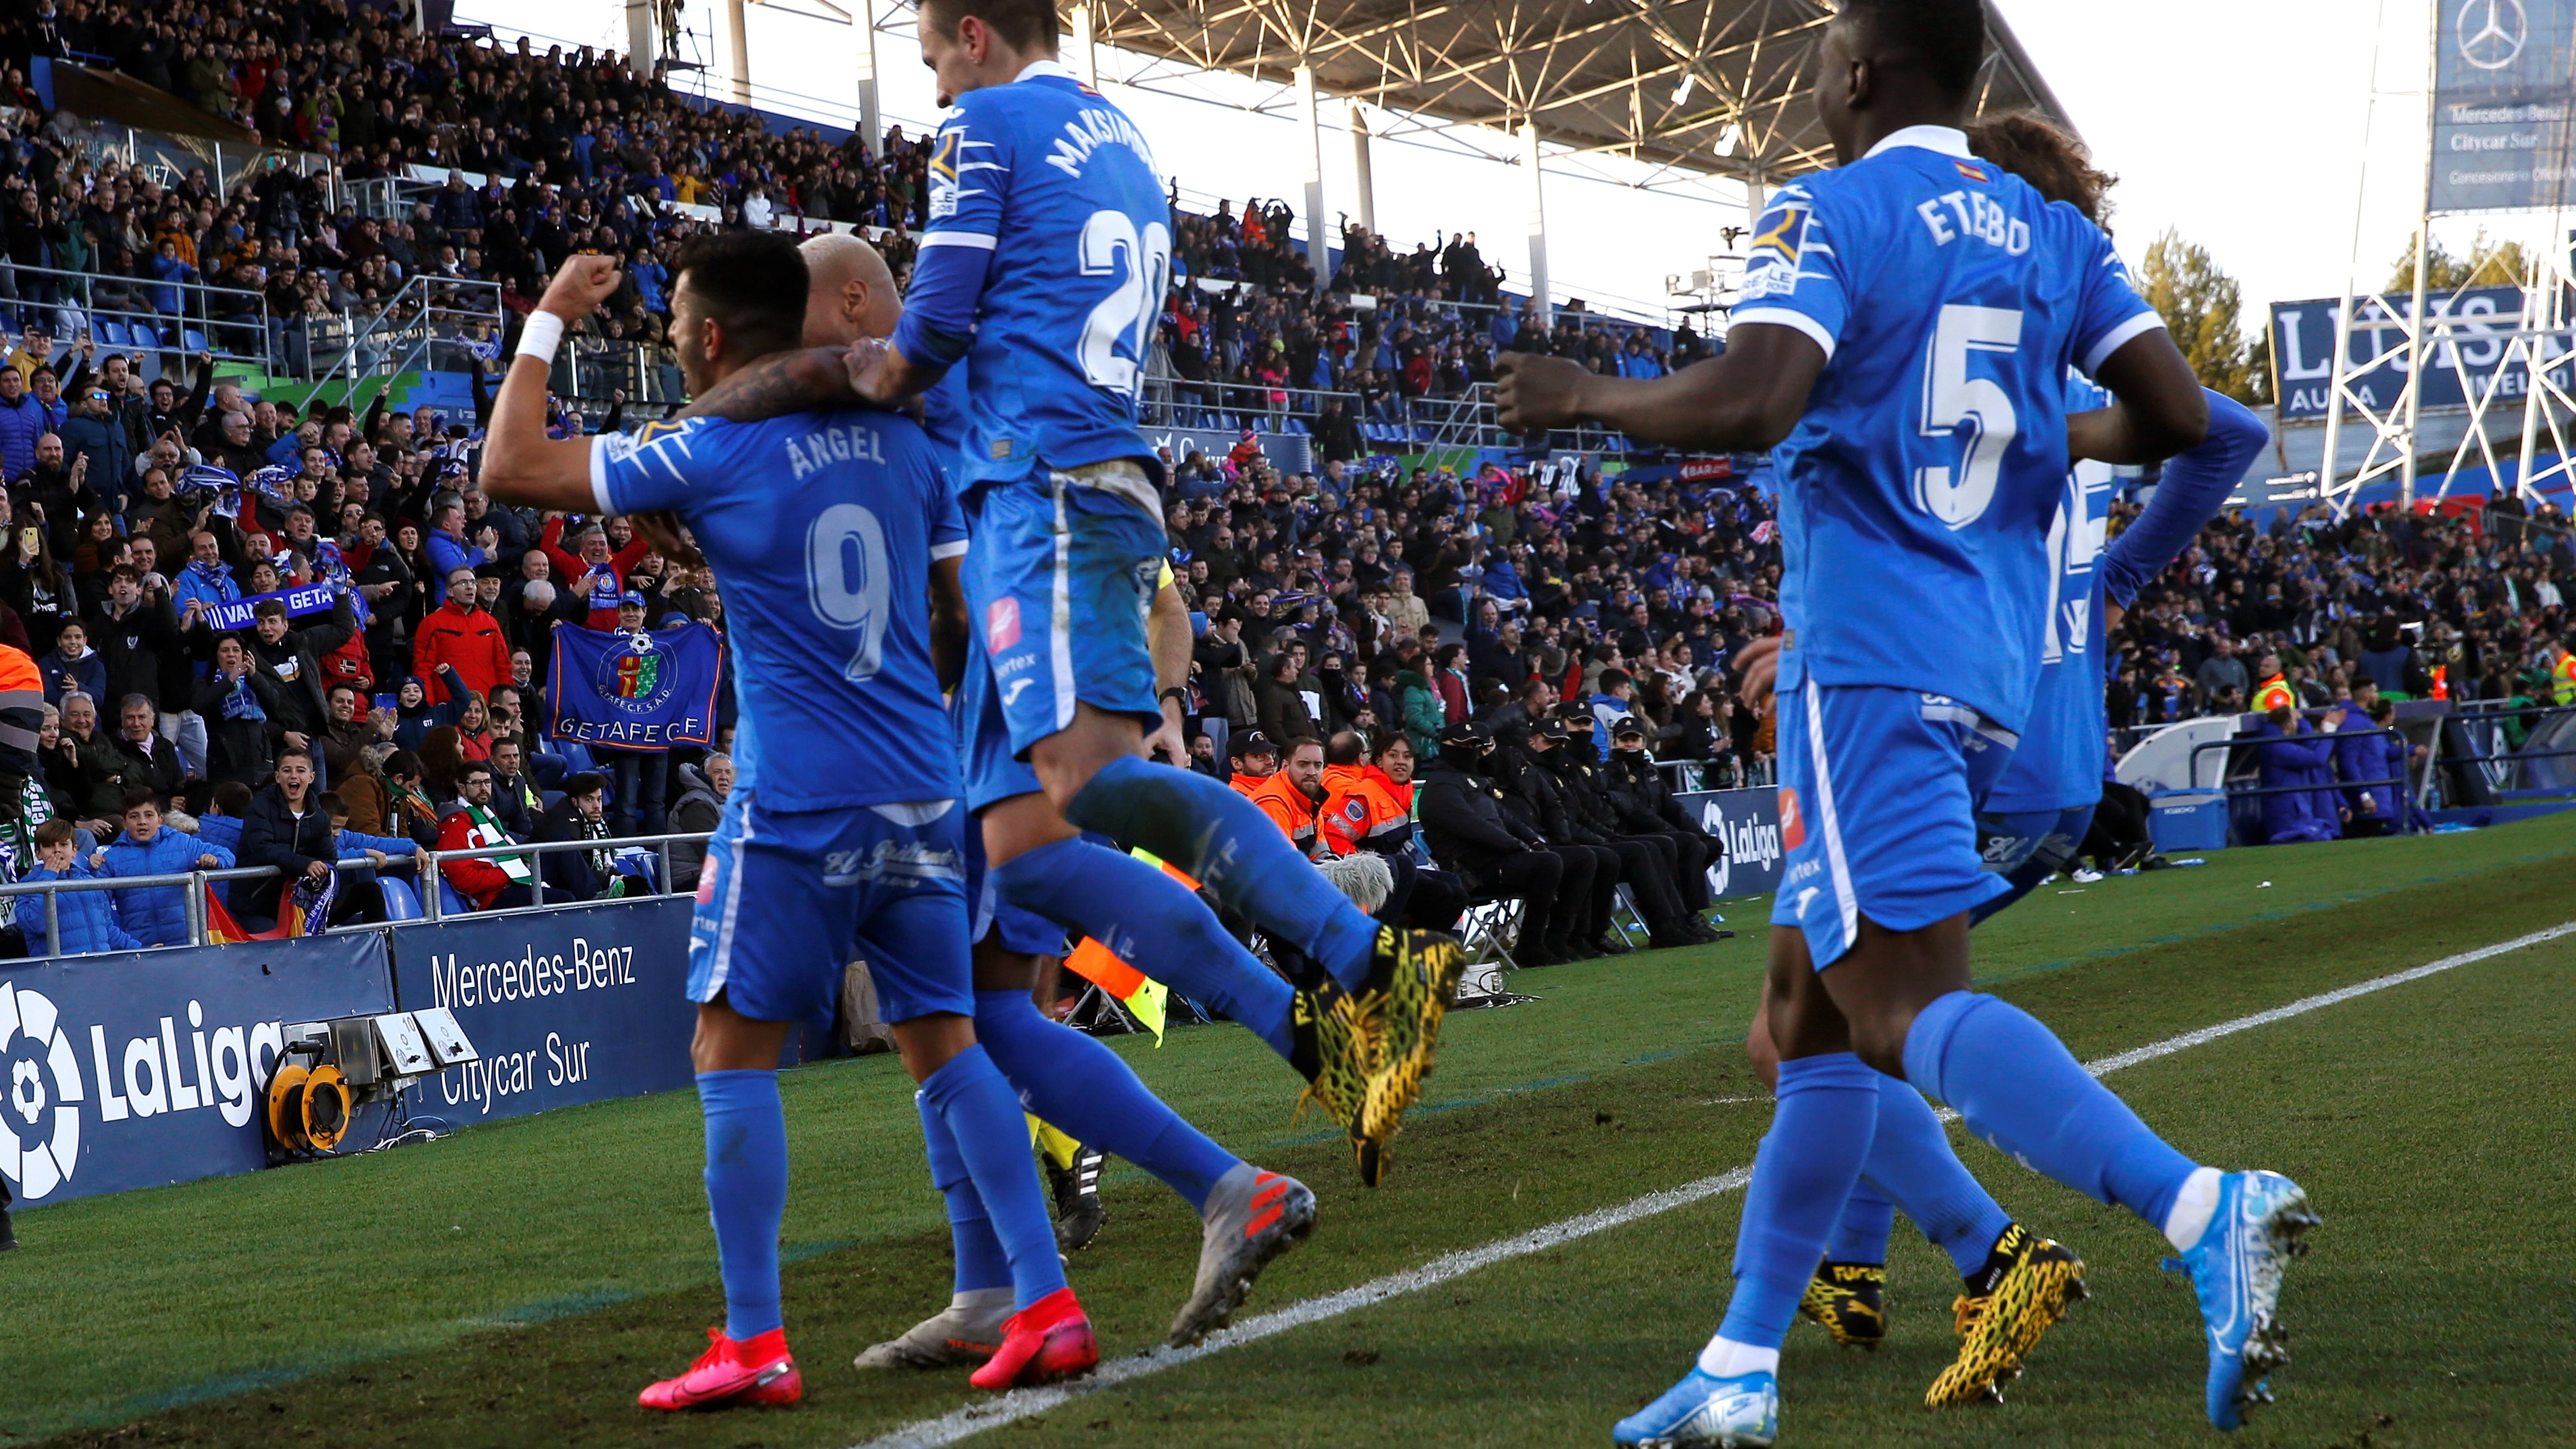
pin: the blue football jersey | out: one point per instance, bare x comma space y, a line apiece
1917, 489
822, 527
2058, 764
1044, 264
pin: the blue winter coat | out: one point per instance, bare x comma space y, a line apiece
20, 427
88, 917
2305, 759
158, 915
90, 671
2373, 757
221, 833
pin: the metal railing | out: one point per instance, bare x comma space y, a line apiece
120, 314
426, 313
193, 883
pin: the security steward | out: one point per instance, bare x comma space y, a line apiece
1291, 794
1254, 759
1360, 813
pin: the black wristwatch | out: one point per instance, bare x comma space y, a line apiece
1175, 692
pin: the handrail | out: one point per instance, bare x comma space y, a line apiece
201, 318
391, 314
194, 882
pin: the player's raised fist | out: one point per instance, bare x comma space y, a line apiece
1533, 393
579, 286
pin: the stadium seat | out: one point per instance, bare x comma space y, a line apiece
192, 340
146, 335
113, 333
450, 903
402, 903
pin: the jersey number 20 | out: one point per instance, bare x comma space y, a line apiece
1953, 400
1111, 246
846, 581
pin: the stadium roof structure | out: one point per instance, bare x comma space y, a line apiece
1694, 88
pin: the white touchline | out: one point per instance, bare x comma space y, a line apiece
1020, 1404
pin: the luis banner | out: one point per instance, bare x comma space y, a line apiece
151, 1067
621, 691
1748, 823
570, 1006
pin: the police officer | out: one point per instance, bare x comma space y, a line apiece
1500, 855
1647, 863
1645, 806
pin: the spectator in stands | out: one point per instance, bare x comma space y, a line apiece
362, 895
594, 576
285, 828
156, 915
240, 704
142, 759
460, 635
71, 666
1255, 759
582, 814
22, 422
700, 808
487, 883
516, 801
413, 812
88, 918
294, 657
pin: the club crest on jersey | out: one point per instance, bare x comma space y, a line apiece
1001, 625
1793, 822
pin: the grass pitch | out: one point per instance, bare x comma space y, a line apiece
517, 1283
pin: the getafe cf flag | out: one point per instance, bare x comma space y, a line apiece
644, 691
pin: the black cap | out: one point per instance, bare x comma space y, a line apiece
1251, 742
1551, 728
1464, 735
1626, 726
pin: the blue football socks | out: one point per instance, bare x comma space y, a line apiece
1153, 923
980, 1261
1911, 1162
1861, 1236
1225, 843
2020, 1089
746, 1192
1086, 1091
992, 1136
1804, 1172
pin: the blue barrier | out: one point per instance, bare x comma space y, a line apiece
566, 1006
145, 1068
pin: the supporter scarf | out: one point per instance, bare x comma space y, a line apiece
240, 703
217, 576
487, 831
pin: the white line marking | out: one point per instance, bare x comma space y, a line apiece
1020, 1404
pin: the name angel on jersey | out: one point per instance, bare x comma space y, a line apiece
1089, 132
833, 445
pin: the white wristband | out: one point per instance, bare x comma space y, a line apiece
540, 336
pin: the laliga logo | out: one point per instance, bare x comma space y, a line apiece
1749, 842
36, 1163
2498, 36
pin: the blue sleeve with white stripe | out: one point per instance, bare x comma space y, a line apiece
1793, 277
969, 174
2194, 488
652, 468
2110, 313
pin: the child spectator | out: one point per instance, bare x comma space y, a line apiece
361, 894
88, 918
155, 915
72, 667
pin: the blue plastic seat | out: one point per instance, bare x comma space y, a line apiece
193, 340
450, 903
113, 333
146, 336
402, 903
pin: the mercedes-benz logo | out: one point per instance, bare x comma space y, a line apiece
2492, 32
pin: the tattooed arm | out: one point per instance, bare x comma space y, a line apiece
779, 384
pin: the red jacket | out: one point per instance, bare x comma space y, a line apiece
476, 880
599, 587
471, 640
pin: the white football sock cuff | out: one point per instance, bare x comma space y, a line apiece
2193, 1207
1726, 1359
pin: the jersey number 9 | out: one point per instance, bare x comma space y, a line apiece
1952, 400
847, 582
1111, 246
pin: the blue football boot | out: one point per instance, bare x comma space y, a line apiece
1704, 1410
2260, 1224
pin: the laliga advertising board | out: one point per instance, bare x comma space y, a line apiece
144, 1068
566, 1006
1748, 823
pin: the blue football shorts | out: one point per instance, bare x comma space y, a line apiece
789, 898
2026, 847
1023, 931
1878, 792
1060, 576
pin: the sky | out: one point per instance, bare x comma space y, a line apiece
2247, 126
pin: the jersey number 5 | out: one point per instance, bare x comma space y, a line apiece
846, 581
1111, 246
1952, 400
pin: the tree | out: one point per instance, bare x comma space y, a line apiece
2204, 310
2488, 264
